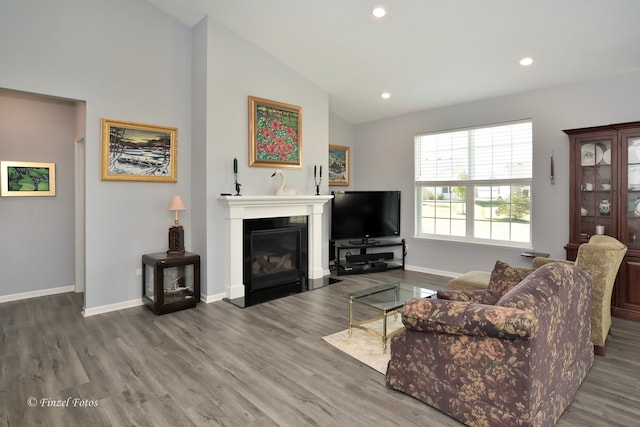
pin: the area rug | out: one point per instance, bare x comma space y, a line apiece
364, 346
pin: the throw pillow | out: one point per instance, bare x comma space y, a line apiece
504, 277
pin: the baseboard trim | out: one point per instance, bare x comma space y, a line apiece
35, 294
212, 298
86, 312
431, 271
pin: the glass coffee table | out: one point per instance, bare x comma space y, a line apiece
385, 299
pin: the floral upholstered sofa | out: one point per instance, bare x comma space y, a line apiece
491, 360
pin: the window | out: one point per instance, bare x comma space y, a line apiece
475, 184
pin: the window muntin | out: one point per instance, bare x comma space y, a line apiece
475, 184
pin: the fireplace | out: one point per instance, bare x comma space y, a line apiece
239, 209
275, 257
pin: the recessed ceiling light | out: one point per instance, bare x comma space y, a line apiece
526, 61
379, 12
385, 95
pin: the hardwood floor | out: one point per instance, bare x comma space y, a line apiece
222, 365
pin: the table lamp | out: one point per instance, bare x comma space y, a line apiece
176, 233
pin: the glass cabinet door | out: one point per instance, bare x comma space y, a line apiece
178, 283
631, 182
596, 196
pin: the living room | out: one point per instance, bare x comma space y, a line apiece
212, 131
94, 59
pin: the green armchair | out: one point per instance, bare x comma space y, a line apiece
601, 257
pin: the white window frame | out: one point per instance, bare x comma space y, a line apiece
513, 180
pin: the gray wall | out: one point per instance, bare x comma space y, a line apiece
236, 69
37, 250
383, 158
342, 133
130, 61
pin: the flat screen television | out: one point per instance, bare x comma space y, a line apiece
361, 216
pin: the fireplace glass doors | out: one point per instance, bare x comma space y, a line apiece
275, 257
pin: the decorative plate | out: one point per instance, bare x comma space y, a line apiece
606, 156
634, 177
634, 151
591, 155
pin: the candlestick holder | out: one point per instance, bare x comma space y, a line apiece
237, 184
317, 181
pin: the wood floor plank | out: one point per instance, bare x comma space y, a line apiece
220, 365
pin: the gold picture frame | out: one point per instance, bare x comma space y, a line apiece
27, 179
138, 152
275, 131
338, 165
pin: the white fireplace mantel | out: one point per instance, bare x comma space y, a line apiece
239, 208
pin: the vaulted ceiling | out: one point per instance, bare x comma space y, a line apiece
430, 53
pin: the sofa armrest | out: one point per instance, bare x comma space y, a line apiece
481, 296
466, 318
540, 261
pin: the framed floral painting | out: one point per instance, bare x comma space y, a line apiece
274, 134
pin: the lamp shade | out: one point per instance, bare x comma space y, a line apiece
175, 204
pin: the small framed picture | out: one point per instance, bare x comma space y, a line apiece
27, 179
138, 152
338, 165
275, 130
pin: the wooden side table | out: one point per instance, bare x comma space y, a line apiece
170, 282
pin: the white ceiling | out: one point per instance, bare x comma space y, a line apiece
430, 53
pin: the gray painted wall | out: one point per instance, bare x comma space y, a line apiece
130, 61
342, 133
383, 158
37, 249
153, 69
236, 69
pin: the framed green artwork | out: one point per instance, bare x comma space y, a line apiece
27, 179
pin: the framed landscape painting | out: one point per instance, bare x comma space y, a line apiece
274, 134
27, 179
138, 152
338, 165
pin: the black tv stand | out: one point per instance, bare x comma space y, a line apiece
364, 242
354, 256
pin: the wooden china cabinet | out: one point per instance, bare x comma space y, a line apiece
605, 198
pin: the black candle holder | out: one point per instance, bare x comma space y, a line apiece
237, 184
317, 179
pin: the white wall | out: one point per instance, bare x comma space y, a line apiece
37, 232
130, 61
383, 158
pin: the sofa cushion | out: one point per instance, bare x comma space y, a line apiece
474, 279
534, 291
481, 296
504, 277
465, 318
